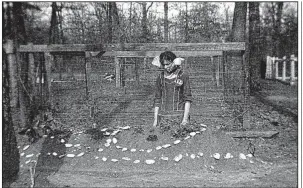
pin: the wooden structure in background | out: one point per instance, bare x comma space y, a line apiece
273, 72
134, 50
150, 50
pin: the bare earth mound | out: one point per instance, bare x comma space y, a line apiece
203, 151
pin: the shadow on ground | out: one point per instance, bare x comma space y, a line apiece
47, 163
282, 98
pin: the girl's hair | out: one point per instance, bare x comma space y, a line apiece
167, 55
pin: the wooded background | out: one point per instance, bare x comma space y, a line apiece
114, 22
269, 28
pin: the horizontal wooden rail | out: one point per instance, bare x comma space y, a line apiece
140, 47
61, 48
157, 53
175, 46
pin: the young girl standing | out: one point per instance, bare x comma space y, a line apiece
173, 94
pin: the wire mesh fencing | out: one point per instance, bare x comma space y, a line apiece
121, 89
217, 89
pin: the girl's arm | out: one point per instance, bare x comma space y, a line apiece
156, 113
187, 98
186, 113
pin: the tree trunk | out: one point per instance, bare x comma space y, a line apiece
62, 41
166, 22
10, 153
130, 21
54, 29
144, 22
7, 22
32, 83
21, 63
48, 64
226, 24
24, 99
109, 23
278, 48
115, 13
159, 32
99, 16
31, 72
226, 10
20, 32
18, 72
234, 82
254, 46
239, 23
13, 72
117, 28
82, 27
186, 24
14, 33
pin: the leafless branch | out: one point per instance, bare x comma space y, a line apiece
149, 6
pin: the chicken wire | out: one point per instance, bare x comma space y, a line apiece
218, 87
32, 79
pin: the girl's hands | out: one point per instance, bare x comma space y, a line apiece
184, 122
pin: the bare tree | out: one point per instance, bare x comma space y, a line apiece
186, 23
10, 153
254, 46
166, 22
18, 12
232, 81
99, 15
145, 32
54, 34
239, 23
277, 29
111, 13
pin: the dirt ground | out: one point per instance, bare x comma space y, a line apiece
100, 162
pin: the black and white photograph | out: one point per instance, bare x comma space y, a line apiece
151, 94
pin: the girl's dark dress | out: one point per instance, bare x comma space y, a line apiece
171, 95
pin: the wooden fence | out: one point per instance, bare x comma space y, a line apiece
226, 59
129, 50
283, 69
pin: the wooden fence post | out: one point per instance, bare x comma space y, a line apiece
48, 64
118, 72
269, 70
145, 65
213, 69
87, 74
31, 70
221, 69
137, 72
246, 109
88, 82
12, 69
59, 61
277, 67
292, 70
284, 69
218, 73
224, 76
